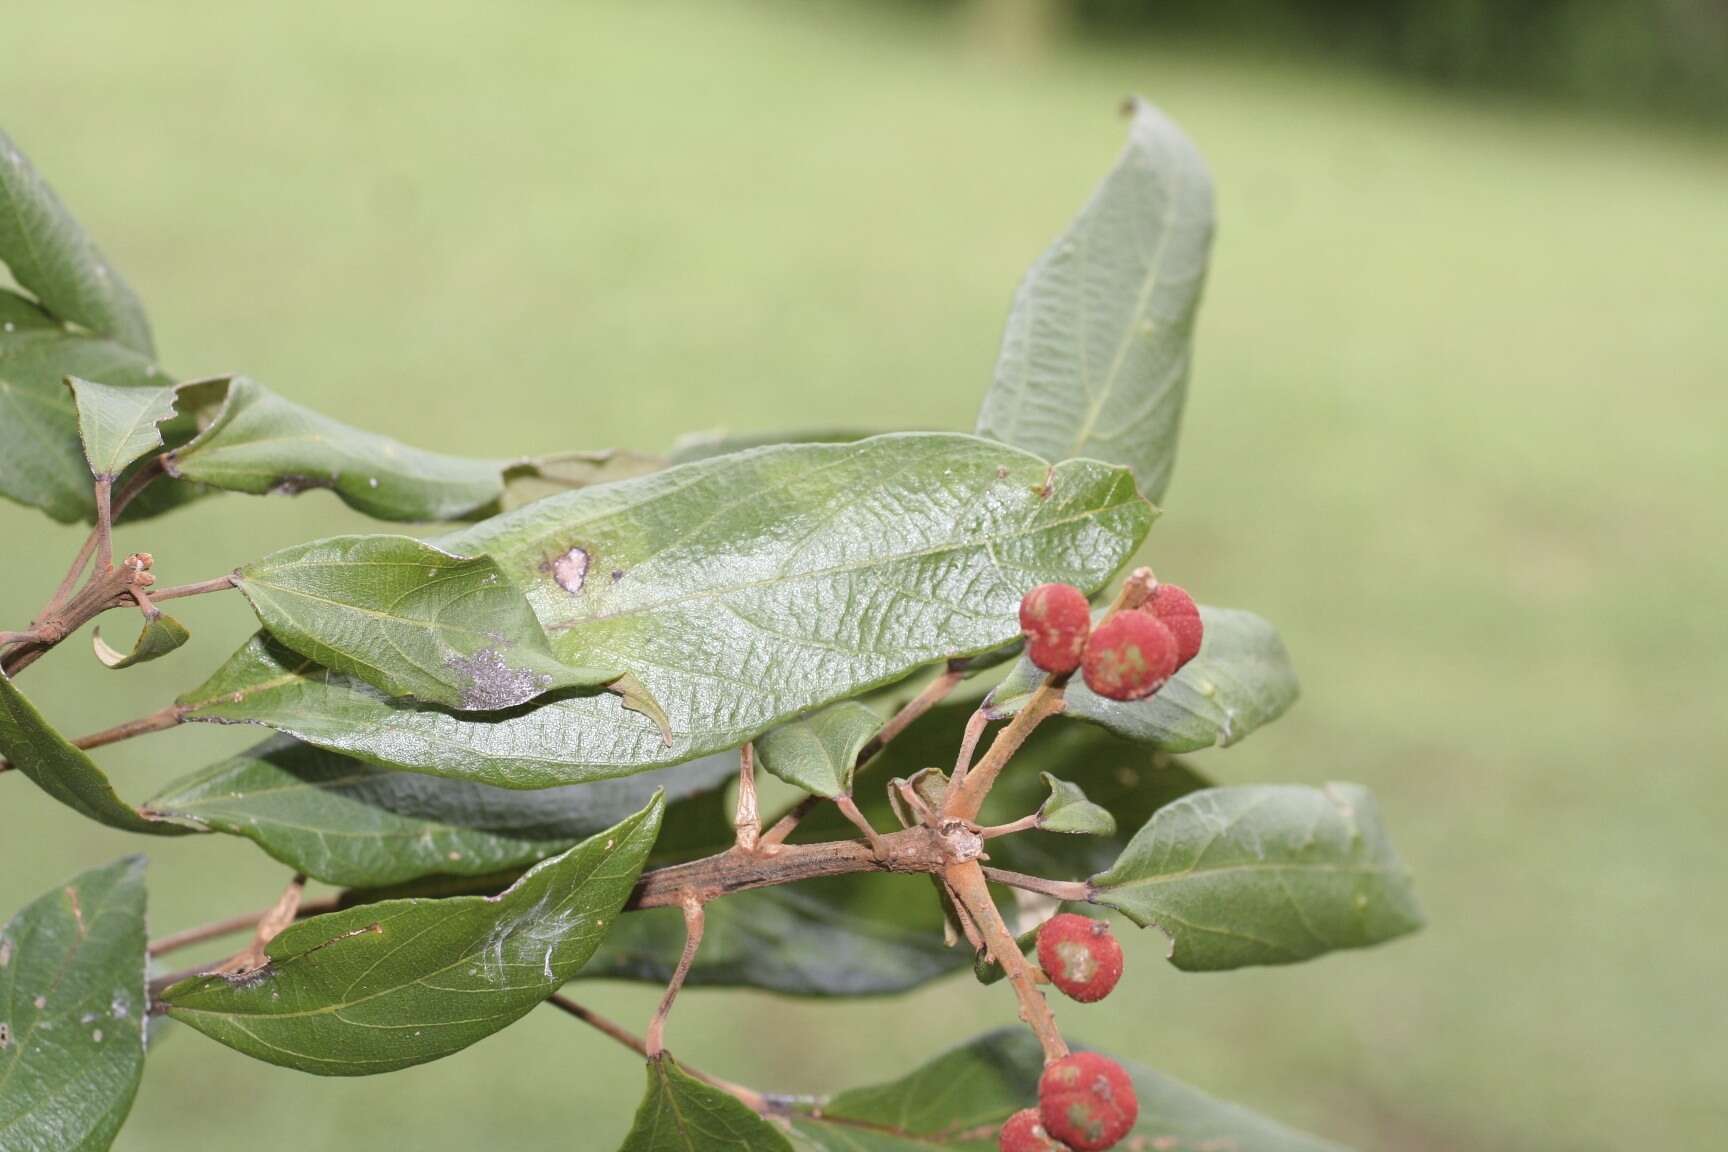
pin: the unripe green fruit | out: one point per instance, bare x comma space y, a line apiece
1129, 657
1087, 1101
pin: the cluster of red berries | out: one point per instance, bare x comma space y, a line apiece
1131, 654
1085, 1101
1085, 1104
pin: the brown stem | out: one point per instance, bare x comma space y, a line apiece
915, 850
281, 914
639, 1046
104, 524
849, 809
966, 881
966, 796
931, 695
1075, 891
250, 920
141, 479
179, 591
975, 725
1024, 824
694, 919
747, 823
158, 721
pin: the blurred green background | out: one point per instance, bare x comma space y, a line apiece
1455, 426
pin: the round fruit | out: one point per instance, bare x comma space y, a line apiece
1056, 620
1129, 657
1080, 955
1087, 1101
1172, 605
1024, 1132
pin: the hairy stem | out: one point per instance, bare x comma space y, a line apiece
1024, 824
915, 850
966, 796
966, 881
1076, 891
747, 823
180, 591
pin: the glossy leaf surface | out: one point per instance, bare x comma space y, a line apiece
72, 1012
260, 443
410, 620
741, 591
387, 985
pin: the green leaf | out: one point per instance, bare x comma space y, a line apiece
261, 444
817, 753
388, 985
1263, 875
741, 591
64, 771
1241, 680
1069, 811
410, 620
705, 445
682, 1114
160, 635
41, 462
526, 481
72, 1012
958, 1102
1096, 356
348, 823
119, 425
50, 255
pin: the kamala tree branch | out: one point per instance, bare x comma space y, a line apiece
911, 850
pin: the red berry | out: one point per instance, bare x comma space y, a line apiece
1080, 955
1129, 656
1056, 620
1171, 604
1024, 1132
1087, 1101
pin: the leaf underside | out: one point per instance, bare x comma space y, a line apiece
1270, 874
1096, 355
